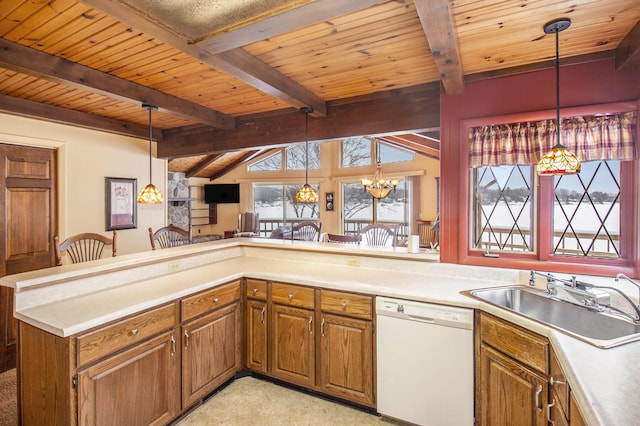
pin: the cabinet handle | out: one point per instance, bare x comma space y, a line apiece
134, 332
310, 322
322, 327
552, 382
186, 339
538, 393
255, 291
173, 346
215, 300
262, 315
549, 407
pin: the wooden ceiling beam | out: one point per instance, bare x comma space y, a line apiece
246, 157
308, 14
417, 148
33, 62
54, 114
416, 109
202, 165
628, 51
418, 139
235, 62
440, 28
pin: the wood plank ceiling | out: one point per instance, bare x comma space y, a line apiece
229, 82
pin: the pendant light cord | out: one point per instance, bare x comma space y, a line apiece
306, 148
150, 139
558, 126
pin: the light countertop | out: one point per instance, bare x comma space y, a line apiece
71, 299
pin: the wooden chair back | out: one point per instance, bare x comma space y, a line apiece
168, 236
378, 234
248, 225
306, 231
346, 239
83, 247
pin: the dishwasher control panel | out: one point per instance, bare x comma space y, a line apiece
425, 312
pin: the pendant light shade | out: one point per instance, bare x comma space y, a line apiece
559, 161
379, 187
306, 194
150, 194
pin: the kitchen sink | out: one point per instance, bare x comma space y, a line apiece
597, 328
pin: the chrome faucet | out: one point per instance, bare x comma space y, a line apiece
621, 275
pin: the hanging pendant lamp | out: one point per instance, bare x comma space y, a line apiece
379, 187
559, 161
150, 194
306, 194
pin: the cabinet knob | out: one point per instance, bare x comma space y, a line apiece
255, 290
290, 296
134, 332
215, 300
344, 305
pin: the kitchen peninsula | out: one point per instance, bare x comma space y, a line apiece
75, 300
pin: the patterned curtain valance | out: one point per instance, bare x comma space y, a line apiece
606, 137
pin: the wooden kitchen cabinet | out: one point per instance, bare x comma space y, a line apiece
512, 374
255, 326
211, 343
140, 386
347, 346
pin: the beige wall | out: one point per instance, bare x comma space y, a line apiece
85, 158
330, 178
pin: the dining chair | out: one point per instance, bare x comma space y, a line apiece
83, 247
168, 236
248, 225
346, 239
306, 231
378, 234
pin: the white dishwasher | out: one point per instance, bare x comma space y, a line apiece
425, 362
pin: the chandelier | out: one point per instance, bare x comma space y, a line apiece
379, 187
150, 194
559, 161
306, 194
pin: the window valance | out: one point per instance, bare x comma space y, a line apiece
598, 137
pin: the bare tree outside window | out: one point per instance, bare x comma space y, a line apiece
356, 152
296, 156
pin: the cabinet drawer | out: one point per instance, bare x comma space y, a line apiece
256, 289
112, 338
341, 303
292, 295
205, 301
521, 344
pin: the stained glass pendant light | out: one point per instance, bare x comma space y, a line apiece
379, 187
306, 193
559, 161
150, 194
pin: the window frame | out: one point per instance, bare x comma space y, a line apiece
542, 258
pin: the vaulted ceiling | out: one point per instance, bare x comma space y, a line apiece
229, 77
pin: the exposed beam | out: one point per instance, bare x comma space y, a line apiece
308, 14
49, 67
412, 110
440, 28
410, 141
412, 147
202, 165
246, 157
25, 108
418, 139
233, 62
628, 51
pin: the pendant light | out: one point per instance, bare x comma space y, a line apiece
150, 194
379, 187
306, 194
559, 161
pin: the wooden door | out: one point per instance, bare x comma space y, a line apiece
346, 358
510, 393
211, 352
140, 386
28, 223
256, 335
293, 349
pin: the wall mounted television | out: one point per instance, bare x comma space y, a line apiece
222, 193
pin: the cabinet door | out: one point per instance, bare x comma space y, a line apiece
256, 335
346, 358
140, 386
293, 349
211, 352
509, 392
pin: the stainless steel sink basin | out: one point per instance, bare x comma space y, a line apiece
598, 329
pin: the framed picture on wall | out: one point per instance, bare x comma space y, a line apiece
328, 198
120, 203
